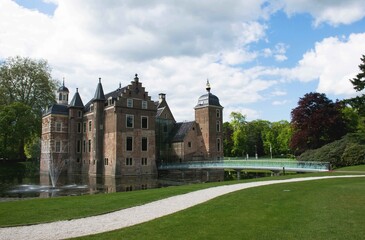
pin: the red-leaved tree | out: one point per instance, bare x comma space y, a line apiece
316, 121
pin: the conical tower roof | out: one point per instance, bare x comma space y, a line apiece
99, 93
76, 100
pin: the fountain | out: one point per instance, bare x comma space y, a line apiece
56, 165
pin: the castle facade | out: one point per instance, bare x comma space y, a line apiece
125, 132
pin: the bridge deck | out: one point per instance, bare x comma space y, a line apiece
273, 165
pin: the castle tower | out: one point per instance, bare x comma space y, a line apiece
75, 120
62, 93
208, 116
98, 136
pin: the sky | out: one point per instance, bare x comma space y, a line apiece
259, 56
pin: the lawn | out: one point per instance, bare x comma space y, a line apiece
322, 209
63, 208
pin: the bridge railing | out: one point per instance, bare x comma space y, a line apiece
250, 164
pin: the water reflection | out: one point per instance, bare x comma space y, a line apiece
72, 185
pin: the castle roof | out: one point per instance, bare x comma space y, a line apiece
63, 88
99, 93
180, 130
57, 109
76, 100
208, 99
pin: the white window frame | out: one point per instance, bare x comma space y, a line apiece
126, 120
129, 102
144, 105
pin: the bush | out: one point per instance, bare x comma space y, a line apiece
348, 151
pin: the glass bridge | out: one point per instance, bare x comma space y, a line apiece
260, 164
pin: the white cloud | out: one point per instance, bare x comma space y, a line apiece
277, 103
333, 12
333, 61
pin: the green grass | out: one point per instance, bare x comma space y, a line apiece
352, 168
63, 208
322, 209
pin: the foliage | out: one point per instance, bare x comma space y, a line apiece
359, 84
348, 151
18, 126
256, 137
27, 81
316, 121
25, 85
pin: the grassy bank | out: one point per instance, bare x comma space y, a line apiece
322, 209
63, 208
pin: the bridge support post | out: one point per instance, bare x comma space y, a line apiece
208, 175
238, 174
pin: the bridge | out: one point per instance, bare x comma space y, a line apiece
243, 164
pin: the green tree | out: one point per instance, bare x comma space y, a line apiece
27, 81
277, 138
358, 102
25, 85
18, 126
227, 139
239, 138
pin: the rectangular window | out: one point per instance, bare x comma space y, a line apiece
78, 146
84, 127
144, 161
79, 114
144, 144
189, 144
58, 127
144, 122
89, 149
144, 104
129, 144
84, 145
218, 113
129, 161
129, 121
218, 126
218, 145
130, 102
89, 126
79, 127
58, 146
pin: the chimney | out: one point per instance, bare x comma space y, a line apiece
162, 97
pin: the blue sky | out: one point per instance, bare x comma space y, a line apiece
259, 56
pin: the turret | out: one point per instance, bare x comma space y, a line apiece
62, 94
208, 114
98, 102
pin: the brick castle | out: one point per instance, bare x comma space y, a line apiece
125, 132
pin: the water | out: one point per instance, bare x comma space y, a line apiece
74, 185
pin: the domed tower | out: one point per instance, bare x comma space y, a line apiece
63, 94
208, 115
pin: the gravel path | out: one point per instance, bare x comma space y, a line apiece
134, 215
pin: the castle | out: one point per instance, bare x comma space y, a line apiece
124, 132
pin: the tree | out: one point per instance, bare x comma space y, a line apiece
277, 138
315, 122
27, 81
239, 138
358, 102
227, 139
27, 87
18, 126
